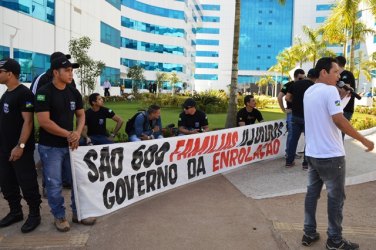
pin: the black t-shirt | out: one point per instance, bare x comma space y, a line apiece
297, 89
12, 104
62, 105
195, 121
348, 78
96, 120
248, 117
285, 89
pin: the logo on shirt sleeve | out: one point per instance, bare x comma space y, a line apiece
41, 98
337, 103
110, 111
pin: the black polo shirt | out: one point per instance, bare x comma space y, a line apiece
348, 78
195, 121
248, 117
285, 89
297, 89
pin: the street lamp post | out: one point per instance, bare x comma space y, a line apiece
11, 38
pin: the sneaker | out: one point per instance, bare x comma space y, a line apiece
62, 225
87, 221
343, 244
308, 240
289, 165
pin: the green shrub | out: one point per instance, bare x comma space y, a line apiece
363, 123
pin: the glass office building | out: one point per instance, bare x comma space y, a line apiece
265, 30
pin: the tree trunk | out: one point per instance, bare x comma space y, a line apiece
232, 106
352, 49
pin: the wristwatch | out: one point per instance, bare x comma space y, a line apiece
21, 145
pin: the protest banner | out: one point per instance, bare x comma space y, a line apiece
110, 177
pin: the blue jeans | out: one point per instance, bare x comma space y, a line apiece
297, 128
54, 160
332, 172
289, 130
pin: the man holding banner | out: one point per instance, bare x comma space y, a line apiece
324, 121
56, 104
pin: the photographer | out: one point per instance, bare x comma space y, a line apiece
191, 120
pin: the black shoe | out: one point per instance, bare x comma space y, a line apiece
308, 240
31, 223
11, 218
67, 185
343, 244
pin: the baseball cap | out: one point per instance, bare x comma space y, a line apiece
189, 103
58, 54
63, 62
11, 65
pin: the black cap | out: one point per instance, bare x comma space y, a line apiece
189, 103
58, 54
11, 65
63, 62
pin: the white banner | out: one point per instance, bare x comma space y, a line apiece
109, 177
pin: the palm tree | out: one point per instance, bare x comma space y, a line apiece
299, 51
232, 106
316, 46
174, 78
343, 19
136, 73
265, 81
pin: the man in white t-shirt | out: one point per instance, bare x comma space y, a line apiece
325, 153
106, 87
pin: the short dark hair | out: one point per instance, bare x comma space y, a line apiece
341, 60
298, 72
324, 63
93, 98
247, 98
152, 108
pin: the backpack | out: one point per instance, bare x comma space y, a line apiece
129, 126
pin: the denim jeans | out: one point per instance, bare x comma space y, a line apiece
135, 138
289, 130
332, 173
297, 128
54, 160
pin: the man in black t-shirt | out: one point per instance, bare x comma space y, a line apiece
295, 96
56, 104
95, 131
299, 74
191, 120
249, 114
17, 167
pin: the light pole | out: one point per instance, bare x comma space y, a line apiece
11, 38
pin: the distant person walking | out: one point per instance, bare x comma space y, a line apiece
324, 121
106, 87
17, 167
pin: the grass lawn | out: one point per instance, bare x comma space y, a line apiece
170, 115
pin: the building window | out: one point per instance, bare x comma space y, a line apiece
115, 3
154, 10
259, 23
207, 30
111, 74
151, 28
321, 7
213, 19
151, 47
207, 53
42, 10
110, 35
270, 23
211, 7
153, 66
258, 45
207, 42
206, 76
320, 19
201, 65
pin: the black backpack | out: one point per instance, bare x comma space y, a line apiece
129, 126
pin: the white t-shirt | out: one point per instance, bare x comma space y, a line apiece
323, 138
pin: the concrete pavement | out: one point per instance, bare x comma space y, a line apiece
221, 212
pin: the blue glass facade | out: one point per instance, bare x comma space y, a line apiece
151, 47
153, 66
150, 9
207, 42
213, 19
151, 28
265, 30
32, 64
320, 19
206, 65
324, 7
115, 3
207, 53
213, 77
112, 74
40, 9
207, 30
211, 7
110, 35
